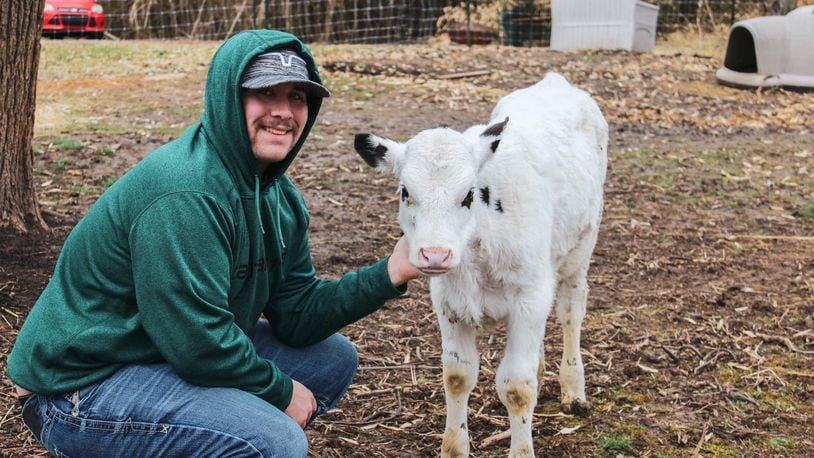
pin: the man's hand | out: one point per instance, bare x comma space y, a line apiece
399, 266
302, 406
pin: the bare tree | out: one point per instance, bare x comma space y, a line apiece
20, 29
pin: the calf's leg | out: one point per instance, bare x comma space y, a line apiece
517, 374
460, 361
572, 295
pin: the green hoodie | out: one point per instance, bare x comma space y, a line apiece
177, 261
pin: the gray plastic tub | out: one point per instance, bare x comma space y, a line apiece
605, 24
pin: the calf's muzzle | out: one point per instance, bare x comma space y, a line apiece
434, 259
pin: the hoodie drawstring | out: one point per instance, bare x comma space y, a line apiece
276, 221
257, 203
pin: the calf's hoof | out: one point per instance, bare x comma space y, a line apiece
455, 443
453, 452
522, 452
577, 407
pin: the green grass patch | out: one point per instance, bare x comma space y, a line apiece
107, 182
624, 396
61, 164
616, 445
70, 144
807, 210
75, 59
729, 374
107, 151
108, 129
783, 443
720, 450
780, 401
77, 189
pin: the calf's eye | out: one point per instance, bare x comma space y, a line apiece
467, 202
404, 194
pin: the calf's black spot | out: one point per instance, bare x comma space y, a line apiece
494, 145
484, 195
467, 202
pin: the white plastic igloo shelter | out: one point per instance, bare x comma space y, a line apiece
771, 51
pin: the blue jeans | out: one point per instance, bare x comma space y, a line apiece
148, 410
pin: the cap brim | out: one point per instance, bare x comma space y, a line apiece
309, 86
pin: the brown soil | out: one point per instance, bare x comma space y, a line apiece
699, 338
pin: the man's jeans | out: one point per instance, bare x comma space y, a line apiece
147, 410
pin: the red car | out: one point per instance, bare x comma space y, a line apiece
73, 18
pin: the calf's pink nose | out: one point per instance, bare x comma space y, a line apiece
436, 257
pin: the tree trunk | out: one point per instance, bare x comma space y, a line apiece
20, 30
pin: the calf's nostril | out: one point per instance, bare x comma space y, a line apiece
436, 257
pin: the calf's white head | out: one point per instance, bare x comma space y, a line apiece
438, 176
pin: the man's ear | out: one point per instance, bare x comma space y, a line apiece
380, 153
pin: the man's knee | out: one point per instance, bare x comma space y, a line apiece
284, 441
345, 356
351, 355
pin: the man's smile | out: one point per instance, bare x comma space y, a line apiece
278, 130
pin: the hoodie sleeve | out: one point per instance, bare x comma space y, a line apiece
306, 309
181, 269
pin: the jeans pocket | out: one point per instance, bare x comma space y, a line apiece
31, 417
76, 403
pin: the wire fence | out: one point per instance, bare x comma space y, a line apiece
516, 22
336, 21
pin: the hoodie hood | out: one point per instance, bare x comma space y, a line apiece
224, 122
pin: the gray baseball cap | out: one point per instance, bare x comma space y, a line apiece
277, 67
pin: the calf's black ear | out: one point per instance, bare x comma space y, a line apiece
495, 130
382, 154
372, 152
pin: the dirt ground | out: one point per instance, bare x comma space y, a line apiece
699, 339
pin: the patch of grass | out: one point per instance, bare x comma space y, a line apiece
107, 129
783, 443
807, 210
61, 164
768, 422
624, 396
779, 402
355, 87
107, 182
66, 144
791, 390
80, 189
729, 374
717, 449
616, 445
69, 59
107, 151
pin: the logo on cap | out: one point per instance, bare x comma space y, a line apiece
291, 58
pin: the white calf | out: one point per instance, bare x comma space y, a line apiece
505, 218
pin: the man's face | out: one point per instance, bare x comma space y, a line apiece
275, 117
